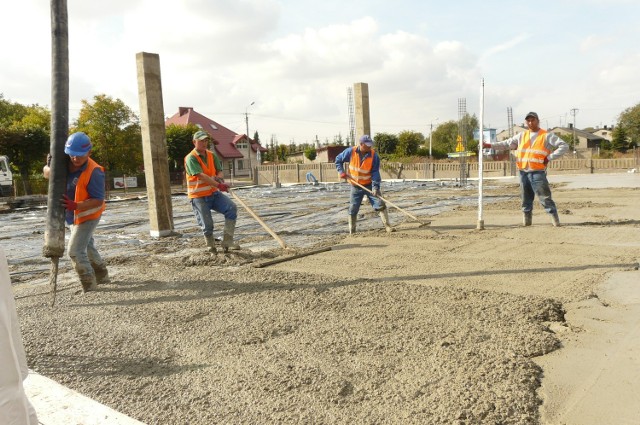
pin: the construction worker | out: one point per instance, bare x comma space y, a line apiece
84, 202
364, 169
205, 185
534, 149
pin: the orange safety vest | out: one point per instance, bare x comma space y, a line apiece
197, 188
531, 155
361, 171
82, 195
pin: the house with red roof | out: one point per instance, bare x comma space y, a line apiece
238, 152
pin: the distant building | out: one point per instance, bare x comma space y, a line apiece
584, 139
606, 132
238, 152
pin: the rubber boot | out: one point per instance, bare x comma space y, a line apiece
102, 274
211, 243
384, 216
87, 277
555, 220
527, 218
227, 237
352, 223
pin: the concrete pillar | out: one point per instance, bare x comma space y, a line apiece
154, 144
361, 99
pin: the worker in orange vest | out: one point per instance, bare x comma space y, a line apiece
84, 202
205, 185
364, 169
534, 149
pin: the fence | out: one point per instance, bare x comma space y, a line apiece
326, 172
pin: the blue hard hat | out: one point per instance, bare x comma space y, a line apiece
78, 144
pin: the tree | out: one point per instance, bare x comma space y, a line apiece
620, 139
24, 137
444, 139
310, 153
114, 131
179, 144
385, 143
629, 120
408, 143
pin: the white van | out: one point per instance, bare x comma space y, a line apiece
6, 177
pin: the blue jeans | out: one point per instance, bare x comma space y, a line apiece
217, 202
357, 194
82, 251
535, 183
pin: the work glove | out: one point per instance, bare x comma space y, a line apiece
223, 187
376, 192
343, 175
486, 145
68, 204
546, 160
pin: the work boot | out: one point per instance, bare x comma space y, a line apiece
352, 223
87, 277
555, 220
211, 243
88, 282
102, 274
227, 236
527, 218
384, 215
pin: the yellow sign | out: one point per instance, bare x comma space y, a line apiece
459, 147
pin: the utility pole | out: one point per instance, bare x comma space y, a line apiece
574, 111
246, 120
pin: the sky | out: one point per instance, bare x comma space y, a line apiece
287, 64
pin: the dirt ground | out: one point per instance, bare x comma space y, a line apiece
437, 324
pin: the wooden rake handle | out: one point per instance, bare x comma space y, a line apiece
258, 219
352, 181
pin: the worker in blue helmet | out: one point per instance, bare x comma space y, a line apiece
84, 202
364, 176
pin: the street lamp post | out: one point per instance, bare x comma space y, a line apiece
246, 120
431, 131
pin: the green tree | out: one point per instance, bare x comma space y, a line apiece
620, 139
114, 131
629, 120
310, 153
408, 143
444, 139
281, 152
179, 144
385, 143
24, 137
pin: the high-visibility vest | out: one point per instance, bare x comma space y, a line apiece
82, 195
196, 187
532, 154
361, 171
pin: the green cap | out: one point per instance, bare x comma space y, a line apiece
201, 135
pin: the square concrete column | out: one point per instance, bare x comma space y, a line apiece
361, 100
154, 144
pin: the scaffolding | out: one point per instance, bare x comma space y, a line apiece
462, 126
351, 138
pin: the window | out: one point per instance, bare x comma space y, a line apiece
213, 126
240, 164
